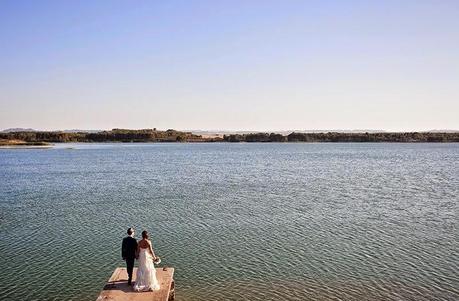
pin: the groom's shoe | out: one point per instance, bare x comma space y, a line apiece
129, 282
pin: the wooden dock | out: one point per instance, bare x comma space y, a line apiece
117, 288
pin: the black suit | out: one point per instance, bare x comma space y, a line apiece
128, 251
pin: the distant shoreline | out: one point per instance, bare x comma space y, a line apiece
42, 138
16, 143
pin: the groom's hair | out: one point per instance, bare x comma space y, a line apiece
130, 231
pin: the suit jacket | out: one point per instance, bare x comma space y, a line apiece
129, 248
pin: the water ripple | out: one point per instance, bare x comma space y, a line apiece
238, 222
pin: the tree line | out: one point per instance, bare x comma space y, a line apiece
153, 135
114, 135
345, 137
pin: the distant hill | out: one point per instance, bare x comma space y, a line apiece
81, 131
282, 132
442, 131
231, 132
11, 130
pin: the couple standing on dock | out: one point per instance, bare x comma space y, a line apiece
143, 252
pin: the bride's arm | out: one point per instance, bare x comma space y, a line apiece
151, 249
137, 251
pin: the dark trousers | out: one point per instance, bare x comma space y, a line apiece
129, 267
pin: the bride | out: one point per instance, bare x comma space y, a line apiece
146, 272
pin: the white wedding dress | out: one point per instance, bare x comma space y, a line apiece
146, 273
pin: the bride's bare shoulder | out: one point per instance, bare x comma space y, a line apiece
143, 243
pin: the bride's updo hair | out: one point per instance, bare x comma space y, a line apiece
145, 234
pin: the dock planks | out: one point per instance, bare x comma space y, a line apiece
117, 289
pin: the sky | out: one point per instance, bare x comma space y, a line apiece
230, 65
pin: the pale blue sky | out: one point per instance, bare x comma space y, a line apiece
234, 65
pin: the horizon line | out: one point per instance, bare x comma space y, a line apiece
230, 130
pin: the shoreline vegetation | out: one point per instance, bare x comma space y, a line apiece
45, 138
22, 143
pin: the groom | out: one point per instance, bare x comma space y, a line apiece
128, 251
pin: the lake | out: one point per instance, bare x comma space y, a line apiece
291, 221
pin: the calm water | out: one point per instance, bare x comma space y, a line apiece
237, 221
